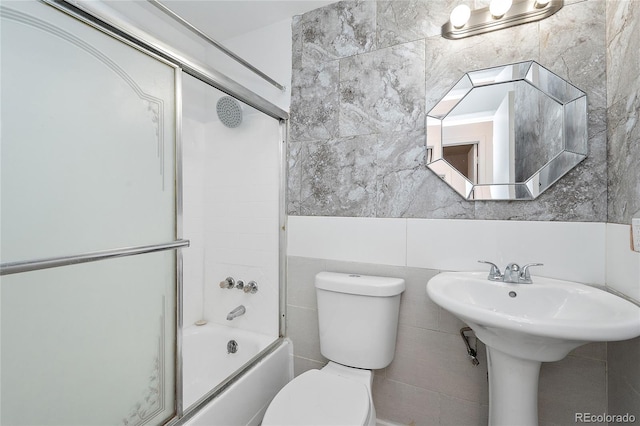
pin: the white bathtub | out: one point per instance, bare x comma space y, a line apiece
206, 363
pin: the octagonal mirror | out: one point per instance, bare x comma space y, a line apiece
507, 133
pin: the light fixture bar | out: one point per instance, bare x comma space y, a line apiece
481, 21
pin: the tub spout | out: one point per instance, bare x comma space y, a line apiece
240, 310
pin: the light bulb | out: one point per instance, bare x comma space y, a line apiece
499, 7
460, 15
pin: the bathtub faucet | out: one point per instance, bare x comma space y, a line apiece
240, 310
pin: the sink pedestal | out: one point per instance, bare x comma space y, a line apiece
525, 325
513, 389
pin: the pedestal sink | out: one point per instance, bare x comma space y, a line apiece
523, 325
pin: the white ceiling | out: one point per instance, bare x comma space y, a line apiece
225, 19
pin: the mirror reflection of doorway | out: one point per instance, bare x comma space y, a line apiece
463, 158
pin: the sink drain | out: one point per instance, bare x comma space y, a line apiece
512, 294
232, 347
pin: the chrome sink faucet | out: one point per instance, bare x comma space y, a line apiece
513, 273
240, 310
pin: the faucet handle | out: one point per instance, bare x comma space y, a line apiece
525, 276
251, 287
228, 282
494, 272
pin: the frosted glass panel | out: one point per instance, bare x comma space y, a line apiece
90, 344
87, 138
87, 163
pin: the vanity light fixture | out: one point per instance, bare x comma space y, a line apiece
498, 15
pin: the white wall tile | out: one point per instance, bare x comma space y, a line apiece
231, 213
569, 250
242, 232
623, 264
454, 245
367, 240
193, 210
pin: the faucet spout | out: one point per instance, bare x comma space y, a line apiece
240, 310
512, 274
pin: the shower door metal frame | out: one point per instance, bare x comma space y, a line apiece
129, 35
179, 259
188, 25
132, 35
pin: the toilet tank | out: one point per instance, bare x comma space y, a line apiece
358, 318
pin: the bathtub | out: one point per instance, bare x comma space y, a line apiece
207, 364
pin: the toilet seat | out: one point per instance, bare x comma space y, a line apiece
317, 398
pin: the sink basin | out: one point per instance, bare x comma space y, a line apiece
523, 325
547, 319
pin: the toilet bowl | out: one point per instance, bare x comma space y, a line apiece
358, 322
333, 396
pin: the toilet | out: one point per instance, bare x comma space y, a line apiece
358, 323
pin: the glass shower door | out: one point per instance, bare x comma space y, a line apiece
87, 166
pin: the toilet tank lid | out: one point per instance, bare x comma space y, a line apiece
365, 285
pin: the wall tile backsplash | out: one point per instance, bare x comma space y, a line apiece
569, 250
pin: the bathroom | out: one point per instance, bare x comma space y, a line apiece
360, 199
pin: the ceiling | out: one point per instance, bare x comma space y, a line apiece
225, 19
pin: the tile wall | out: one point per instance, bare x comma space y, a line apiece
231, 212
623, 108
431, 380
360, 73
623, 149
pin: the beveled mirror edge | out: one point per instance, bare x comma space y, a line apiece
545, 177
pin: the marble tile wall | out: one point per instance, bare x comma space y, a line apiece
366, 72
364, 75
623, 109
623, 132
